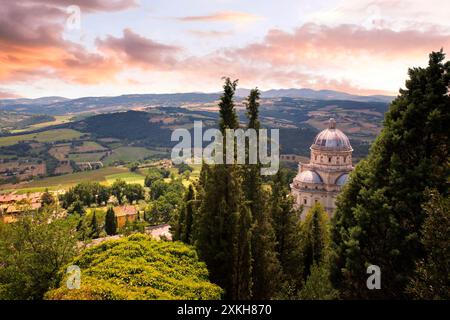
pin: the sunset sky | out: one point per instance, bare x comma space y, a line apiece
156, 46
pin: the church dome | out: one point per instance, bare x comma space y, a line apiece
308, 177
332, 139
342, 179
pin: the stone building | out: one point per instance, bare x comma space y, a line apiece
125, 213
322, 178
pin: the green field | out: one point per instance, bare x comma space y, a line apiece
86, 157
44, 136
89, 146
129, 154
58, 120
68, 180
128, 177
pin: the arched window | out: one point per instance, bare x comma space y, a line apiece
304, 201
329, 159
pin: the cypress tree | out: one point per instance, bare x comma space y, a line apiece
95, 230
188, 215
314, 238
379, 214
184, 224
243, 260
220, 213
286, 227
266, 269
110, 222
431, 279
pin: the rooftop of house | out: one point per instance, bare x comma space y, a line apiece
31, 197
126, 210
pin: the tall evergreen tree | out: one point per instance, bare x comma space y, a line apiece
314, 238
110, 222
432, 279
182, 228
95, 230
379, 214
188, 215
266, 270
220, 212
243, 260
286, 226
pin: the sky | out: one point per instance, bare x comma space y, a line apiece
82, 48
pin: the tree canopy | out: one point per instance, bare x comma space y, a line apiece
139, 268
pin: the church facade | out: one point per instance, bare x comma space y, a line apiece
322, 178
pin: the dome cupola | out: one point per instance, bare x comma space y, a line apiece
308, 176
331, 139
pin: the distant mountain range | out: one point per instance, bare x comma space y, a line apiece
316, 95
61, 106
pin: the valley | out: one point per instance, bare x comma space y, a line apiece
109, 135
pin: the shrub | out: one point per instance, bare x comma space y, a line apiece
139, 268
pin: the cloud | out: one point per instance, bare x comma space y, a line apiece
8, 95
393, 14
211, 33
324, 45
32, 47
90, 5
227, 16
137, 49
346, 56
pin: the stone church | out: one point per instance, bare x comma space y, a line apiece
322, 178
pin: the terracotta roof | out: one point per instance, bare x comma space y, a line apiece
126, 210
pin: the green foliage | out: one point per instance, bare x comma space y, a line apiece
286, 227
183, 167
432, 279
379, 214
76, 208
182, 224
32, 250
130, 227
110, 222
87, 194
47, 199
134, 192
138, 268
94, 227
222, 216
83, 229
318, 285
266, 269
159, 187
118, 190
242, 271
252, 106
228, 117
167, 196
314, 238
153, 175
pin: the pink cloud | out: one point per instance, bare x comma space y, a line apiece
90, 5
32, 47
231, 16
8, 95
137, 49
320, 45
